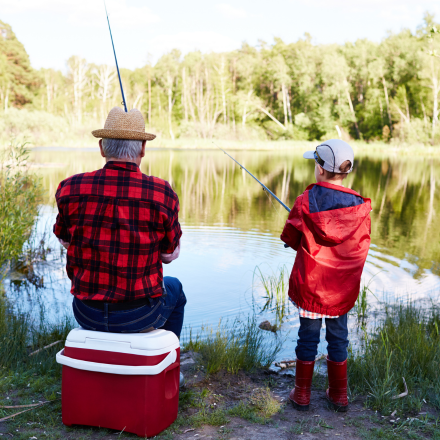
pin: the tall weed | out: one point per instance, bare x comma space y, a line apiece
275, 287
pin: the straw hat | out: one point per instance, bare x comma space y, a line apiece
122, 125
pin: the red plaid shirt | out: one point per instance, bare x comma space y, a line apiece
118, 221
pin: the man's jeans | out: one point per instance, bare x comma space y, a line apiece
336, 336
165, 312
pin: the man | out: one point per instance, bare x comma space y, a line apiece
118, 226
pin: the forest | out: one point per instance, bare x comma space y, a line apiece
387, 91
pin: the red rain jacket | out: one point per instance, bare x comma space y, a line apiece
329, 227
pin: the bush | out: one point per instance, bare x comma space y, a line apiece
20, 194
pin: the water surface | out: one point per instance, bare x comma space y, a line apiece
230, 226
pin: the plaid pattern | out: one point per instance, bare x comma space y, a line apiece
311, 315
118, 221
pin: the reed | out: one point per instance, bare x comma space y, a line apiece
275, 287
240, 346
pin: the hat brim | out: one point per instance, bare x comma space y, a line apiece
309, 155
123, 134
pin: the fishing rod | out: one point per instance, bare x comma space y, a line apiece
265, 188
116, 60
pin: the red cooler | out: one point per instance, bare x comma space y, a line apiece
123, 381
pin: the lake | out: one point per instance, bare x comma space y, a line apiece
231, 227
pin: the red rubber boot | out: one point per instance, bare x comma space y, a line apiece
300, 395
337, 385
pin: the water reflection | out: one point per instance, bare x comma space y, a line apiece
230, 225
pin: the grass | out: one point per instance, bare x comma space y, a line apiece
241, 346
21, 334
26, 379
264, 403
405, 345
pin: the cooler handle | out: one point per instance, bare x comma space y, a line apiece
117, 369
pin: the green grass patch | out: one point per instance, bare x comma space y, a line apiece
405, 345
241, 346
260, 407
215, 417
248, 412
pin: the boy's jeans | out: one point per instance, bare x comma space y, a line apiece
165, 312
336, 336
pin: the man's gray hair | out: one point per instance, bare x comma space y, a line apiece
121, 148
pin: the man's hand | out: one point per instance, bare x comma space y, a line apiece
167, 258
66, 244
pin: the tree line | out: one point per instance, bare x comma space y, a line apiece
385, 91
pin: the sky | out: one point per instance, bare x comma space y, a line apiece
143, 30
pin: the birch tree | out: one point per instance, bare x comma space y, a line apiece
77, 70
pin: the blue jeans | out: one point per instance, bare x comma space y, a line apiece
336, 336
165, 312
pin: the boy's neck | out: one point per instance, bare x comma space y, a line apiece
337, 182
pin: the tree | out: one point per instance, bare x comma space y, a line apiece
18, 81
78, 69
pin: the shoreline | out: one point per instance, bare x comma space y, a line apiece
361, 149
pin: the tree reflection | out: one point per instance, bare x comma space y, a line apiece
214, 191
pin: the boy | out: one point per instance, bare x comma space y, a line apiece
329, 227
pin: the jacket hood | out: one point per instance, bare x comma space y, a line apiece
333, 212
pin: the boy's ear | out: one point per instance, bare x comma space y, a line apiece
320, 169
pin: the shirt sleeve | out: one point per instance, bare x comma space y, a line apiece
168, 258
292, 234
173, 232
60, 227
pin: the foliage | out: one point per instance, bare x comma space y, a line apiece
241, 346
406, 347
17, 78
20, 193
373, 91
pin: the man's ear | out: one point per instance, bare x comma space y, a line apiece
143, 148
100, 147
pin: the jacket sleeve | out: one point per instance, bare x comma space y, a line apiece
292, 229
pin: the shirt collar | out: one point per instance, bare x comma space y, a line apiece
125, 166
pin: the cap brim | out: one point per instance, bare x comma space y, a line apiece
309, 155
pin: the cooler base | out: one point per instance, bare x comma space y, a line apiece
142, 405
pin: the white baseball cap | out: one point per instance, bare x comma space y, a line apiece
331, 154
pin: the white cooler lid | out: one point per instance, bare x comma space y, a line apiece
146, 344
